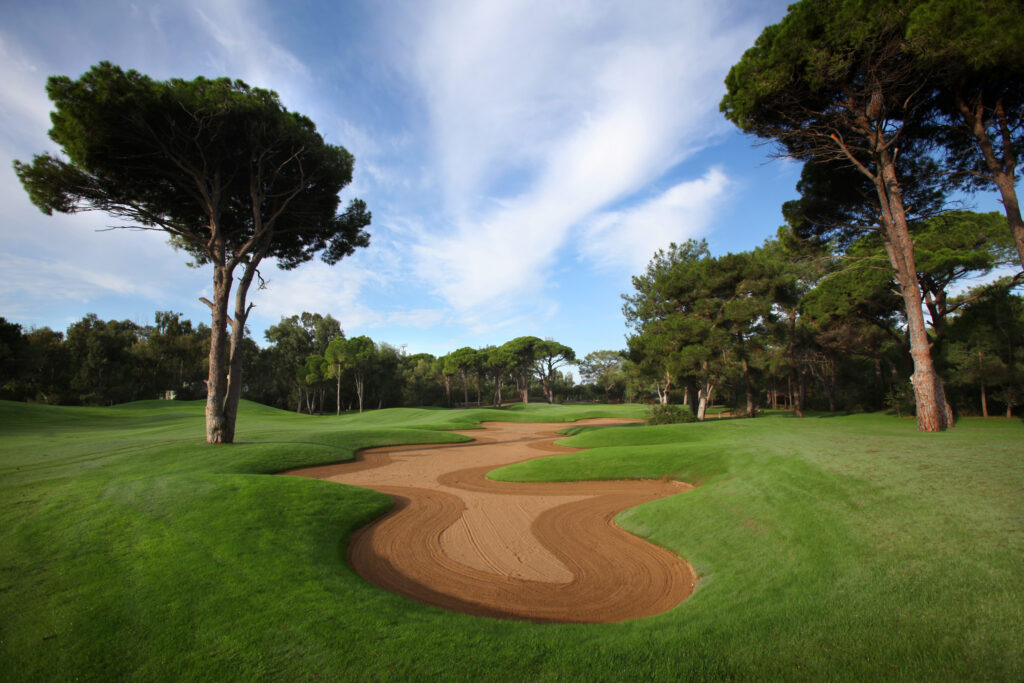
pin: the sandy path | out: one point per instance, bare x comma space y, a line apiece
544, 551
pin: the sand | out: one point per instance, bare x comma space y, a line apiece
535, 551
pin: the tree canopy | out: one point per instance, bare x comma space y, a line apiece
225, 169
833, 83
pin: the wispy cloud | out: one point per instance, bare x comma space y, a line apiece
315, 287
575, 106
246, 50
629, 238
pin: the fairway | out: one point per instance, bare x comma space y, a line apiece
846, 547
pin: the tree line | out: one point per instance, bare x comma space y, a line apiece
795, 325
308, 365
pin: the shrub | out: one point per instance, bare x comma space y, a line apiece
670, 414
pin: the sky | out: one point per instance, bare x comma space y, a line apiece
522, 160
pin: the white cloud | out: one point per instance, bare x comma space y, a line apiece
317, 287
422, 318
246, 50
629, 238
574, 105
24, 106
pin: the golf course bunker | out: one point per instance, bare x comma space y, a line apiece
536, 551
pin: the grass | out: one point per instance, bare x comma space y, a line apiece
840, 548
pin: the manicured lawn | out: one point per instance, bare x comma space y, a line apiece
829, 547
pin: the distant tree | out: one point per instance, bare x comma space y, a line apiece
103, 366
985, 347
312, 377
461, 362
385, 388
522, 354
602, 368
230, 174
707, 310
294, 339
360, 357
551, 355
335, 358
652, 357
47, 368
13, 351
172, 356
499, 365
419, 387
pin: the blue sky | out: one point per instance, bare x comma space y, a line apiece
522, 160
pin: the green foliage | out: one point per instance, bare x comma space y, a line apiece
180, 154
669, 414
230, 174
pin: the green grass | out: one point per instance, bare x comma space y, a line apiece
839, 548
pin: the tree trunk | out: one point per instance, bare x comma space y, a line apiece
1003, 173
359, 390
794, 378
801, 393
704, 399
932, 415
984, 401
337, 398
749, 386
234, 392
216, 383
704, 390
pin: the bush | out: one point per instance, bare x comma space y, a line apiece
670, 414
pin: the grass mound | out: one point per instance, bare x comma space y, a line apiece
842, 548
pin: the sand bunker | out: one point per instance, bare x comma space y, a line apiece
543, 552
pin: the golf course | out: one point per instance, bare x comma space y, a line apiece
841, 547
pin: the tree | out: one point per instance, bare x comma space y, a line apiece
521, 355
335, 357
419, 387
652, 354
499, 364
171, 354
230, 174
550, 355
312, 377
602, 368
986, 346
832, 82
387, 376
47, 367
13, 350
972, 51
461, 362
707, 314
103, 366
359, 356
294, 339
